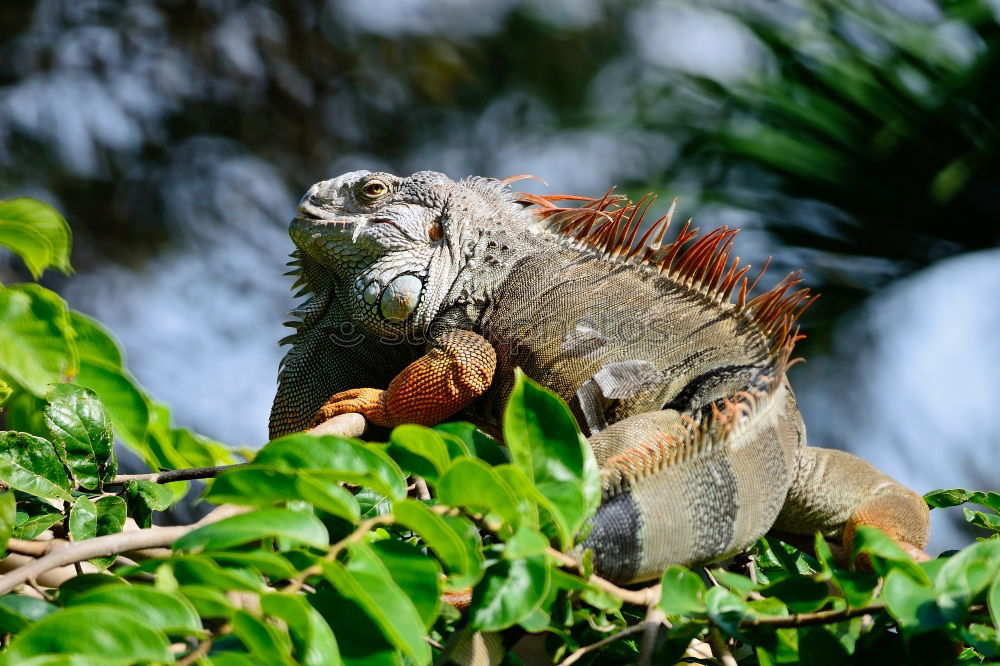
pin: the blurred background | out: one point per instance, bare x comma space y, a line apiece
858, 140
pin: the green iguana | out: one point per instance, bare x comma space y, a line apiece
425, 294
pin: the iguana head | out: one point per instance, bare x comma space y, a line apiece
398, 247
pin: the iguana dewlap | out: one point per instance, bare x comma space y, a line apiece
426, 293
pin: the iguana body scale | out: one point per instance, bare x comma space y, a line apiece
425, 294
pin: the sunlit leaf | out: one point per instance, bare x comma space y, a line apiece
107, 635
470, 482
266, 485
546, 445
18, 611
30, 464
246, 527
143, 497
420, 450
454, 539
683, 592
93, 518
37, 233
170, 613
368, 584
418, 576
312, 639
81, 431
510, 591
36, 340
339, 458
265, 642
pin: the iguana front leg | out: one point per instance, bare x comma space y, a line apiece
457, 369
835, 492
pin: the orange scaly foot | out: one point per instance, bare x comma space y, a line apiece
456, 370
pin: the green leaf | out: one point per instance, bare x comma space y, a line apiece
126, 404
94, 341
802, 594
511, 590
313, 640
418, 576
885, 554
683, 592
366, 582
946, 498
726, 609
107, 635
470, 482
420, 450
339, 458
144, 497
169, 613
988, 521
913, 603
36, 340
89, 519
37, 233
526, 542
5, 391
17, 612
30, 464
272, 565
8, 517
966, 575
38, 517
266, 485
246, 527
546, 445
265, 642
81, 432
209, 602
454, 539
465, 439
737, 583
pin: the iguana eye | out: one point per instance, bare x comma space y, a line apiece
373, 189
434, 231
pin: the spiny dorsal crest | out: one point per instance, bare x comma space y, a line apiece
610, 225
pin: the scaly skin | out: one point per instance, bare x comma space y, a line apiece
426, 294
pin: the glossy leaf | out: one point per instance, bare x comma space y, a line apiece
209, 602
5, 391
169, 613
546, 444
465, 439
510, 591
17, 612
43, 516
246, 527
312, 639
418, 576
801, 594
470, 482
266, 485
30, 464
107, 635
993, 601
726, 609
37, 233
420, 450
369, 585
144, 497
454, 539
92, 518
683, 592
885, 553
80, 429
265, 642
339, 459
36, 340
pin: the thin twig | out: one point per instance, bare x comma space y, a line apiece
624, 633
655, 618
719, 647
810, 619
423, 492
171, 475
647, 596
357, 535
199, 651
